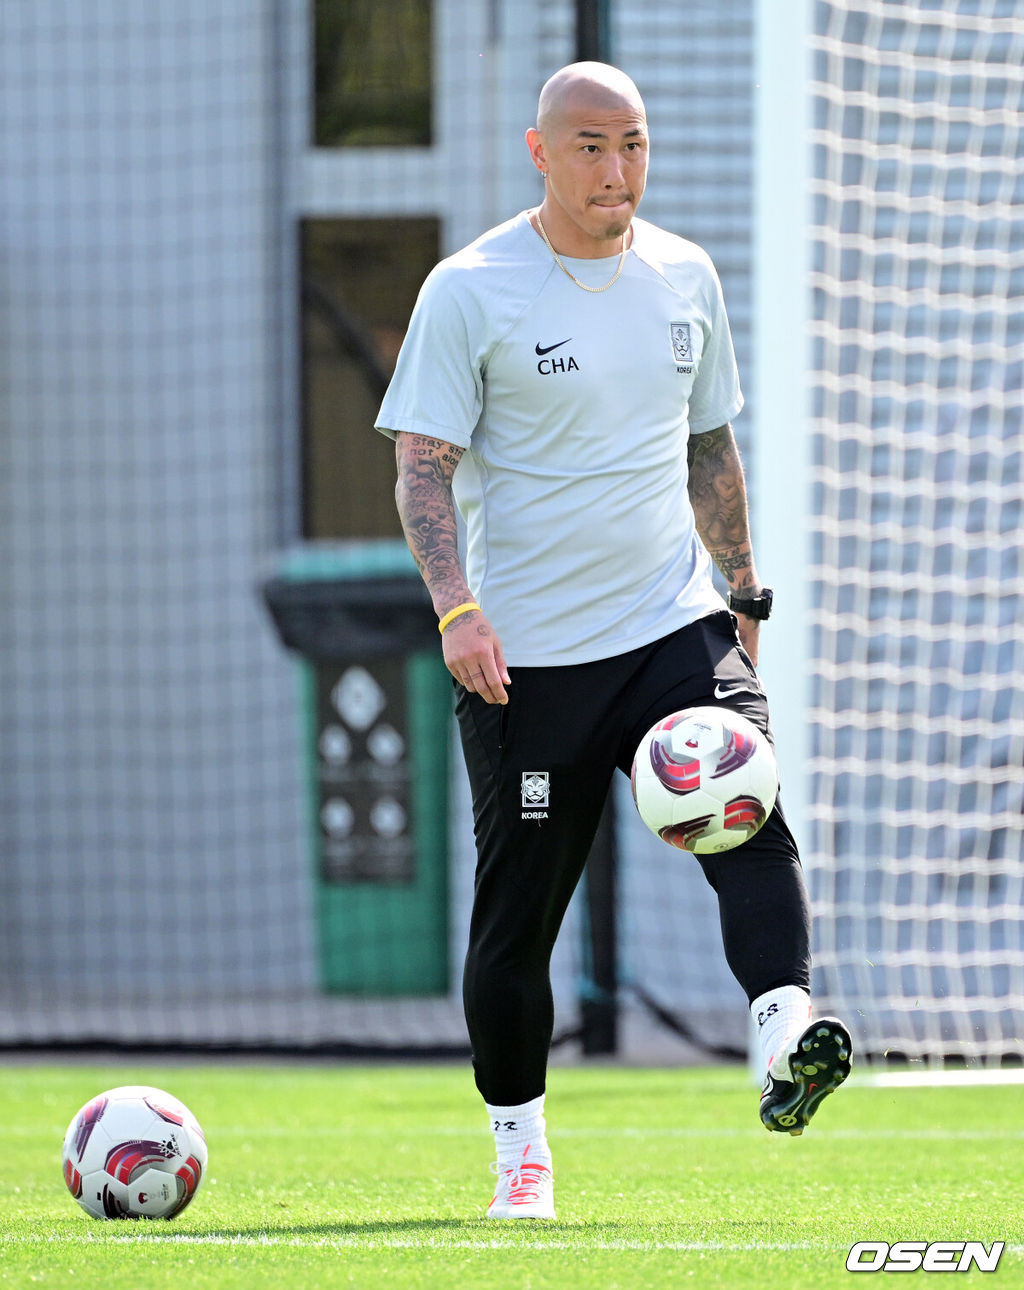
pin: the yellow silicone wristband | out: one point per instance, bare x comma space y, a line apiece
452, 614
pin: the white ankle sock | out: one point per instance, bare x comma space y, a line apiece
517, 1127
779, 1015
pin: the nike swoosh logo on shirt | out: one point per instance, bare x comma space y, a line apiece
548, 348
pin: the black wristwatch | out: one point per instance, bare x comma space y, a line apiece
753, 606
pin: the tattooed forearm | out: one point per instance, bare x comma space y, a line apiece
718, 494
423, 495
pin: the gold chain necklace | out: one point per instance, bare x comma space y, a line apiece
569, 274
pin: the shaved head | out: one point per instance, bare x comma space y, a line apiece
590, 146
582, 85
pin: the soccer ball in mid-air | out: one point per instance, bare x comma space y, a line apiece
704, 779
134, 1152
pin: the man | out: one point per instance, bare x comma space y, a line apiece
568, 381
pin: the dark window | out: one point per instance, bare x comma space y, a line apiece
373, 73
360, 278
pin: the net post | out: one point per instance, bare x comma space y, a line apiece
781, 445
598, 997
593, 31
780, 442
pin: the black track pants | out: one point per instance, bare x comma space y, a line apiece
540, 768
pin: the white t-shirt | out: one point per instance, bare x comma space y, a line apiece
574, 410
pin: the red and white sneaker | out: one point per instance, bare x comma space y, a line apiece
524, 1190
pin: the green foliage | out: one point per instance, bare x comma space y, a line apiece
324, 1176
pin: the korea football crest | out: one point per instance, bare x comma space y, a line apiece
536, 788
682, 350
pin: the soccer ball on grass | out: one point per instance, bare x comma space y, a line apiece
704, 779
134, 1152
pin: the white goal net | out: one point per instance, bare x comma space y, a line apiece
917, 579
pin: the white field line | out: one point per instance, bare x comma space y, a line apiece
754, 1132
943, 1079
535, 1241
757, 1132
833, 1135
377, 1242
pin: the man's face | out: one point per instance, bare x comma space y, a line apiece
595, 153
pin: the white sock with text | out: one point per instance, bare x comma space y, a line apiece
517, 1127
779, 1015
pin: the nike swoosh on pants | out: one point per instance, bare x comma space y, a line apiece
724, 691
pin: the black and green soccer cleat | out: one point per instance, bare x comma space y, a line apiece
810, 1067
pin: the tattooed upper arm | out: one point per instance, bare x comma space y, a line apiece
709, 449
719, 498
715, 470
423, 495
426, 460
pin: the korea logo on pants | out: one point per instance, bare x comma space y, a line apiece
536, 788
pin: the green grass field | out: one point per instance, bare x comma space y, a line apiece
377, 1177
